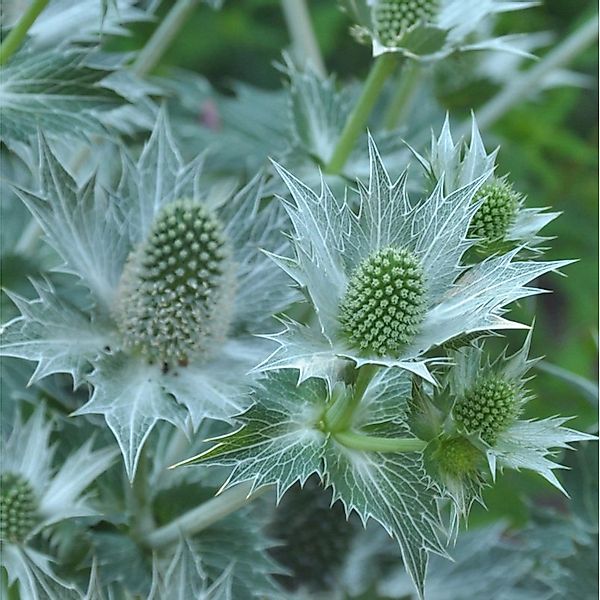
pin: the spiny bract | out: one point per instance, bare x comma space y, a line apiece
487, 408
177, 289
393, 18
17, 508
385, 302
458, 457
497, 213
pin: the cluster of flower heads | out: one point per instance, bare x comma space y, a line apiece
393, 282
389, 279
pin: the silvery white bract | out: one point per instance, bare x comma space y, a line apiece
94, 232
184, 577
502, 68
59, 91
523, 443
430, 30
331, 241
458, 164
28, 460
282, 442
81, 21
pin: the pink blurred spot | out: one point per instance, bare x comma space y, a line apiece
209, 115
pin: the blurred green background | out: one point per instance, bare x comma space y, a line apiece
549, 146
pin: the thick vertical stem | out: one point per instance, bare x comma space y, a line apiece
141, 507
17, 34
161, 39
304, 42
403, 96
357, 121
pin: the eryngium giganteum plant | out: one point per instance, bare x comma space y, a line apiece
229, 378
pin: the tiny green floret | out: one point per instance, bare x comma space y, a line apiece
497, 213
488, 408
176, 292
18, 507
385, 302
394, 18
457, 457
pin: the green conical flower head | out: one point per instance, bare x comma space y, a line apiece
18, 507
176, 292
315, 537
385, 302
457, 457
393, 18
487, 408
497, 213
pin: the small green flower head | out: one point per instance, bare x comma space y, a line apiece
497, 213
385, 302
176, 294
457, 457
314, 535
487, 408
18, 507
394, 18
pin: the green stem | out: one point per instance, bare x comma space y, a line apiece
381, 69
140, 505
529, 82
11, 592
403, 96
339, 416
306, 47
358, 441
204, 515
161, 39
17, 34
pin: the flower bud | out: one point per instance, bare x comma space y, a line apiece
497, 213
18, 506
488, 408
457, 457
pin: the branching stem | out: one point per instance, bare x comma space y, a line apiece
203, 516
17, 34
339, 416
358, 441
382, 68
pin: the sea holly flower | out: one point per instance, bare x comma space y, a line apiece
287, 436
386, 282
178, 284
503, 221
430, 29
489, 401
484, 401
35, 494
